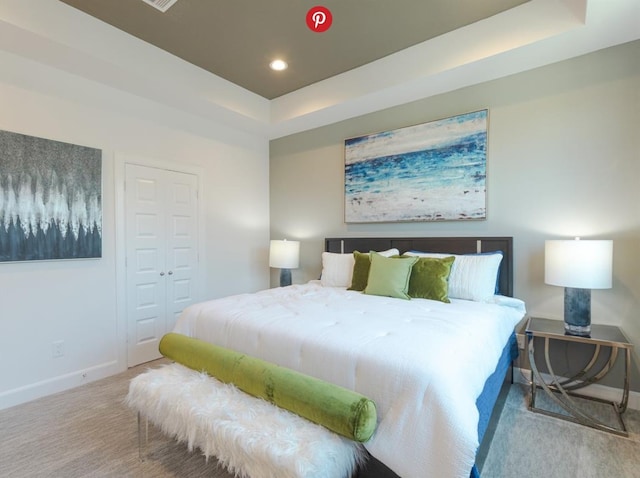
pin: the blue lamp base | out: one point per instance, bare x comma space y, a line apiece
577, 311
285, 277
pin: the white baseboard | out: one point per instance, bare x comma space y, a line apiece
597, 391
53, 385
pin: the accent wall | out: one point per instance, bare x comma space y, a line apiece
563, 160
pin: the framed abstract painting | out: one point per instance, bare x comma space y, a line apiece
433, 171
50, 199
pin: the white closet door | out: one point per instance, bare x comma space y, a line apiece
182, 250
161, 254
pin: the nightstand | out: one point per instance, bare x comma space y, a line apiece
562, 390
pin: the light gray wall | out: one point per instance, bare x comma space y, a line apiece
563, 161
78, 301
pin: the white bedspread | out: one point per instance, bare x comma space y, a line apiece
423, 362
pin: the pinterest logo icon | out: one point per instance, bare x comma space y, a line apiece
319, 19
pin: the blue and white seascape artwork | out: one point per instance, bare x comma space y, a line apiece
434, 171
50, 199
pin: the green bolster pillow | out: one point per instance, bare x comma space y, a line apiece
340, 410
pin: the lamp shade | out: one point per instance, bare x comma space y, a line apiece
284, 254
578, 264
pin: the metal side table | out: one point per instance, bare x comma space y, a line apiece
562, 390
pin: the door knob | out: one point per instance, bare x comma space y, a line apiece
170, 273
161, 274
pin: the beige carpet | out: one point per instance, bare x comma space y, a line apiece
88, 432
532, 445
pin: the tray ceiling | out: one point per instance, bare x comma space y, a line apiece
236, 39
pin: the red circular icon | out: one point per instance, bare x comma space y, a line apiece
319, 19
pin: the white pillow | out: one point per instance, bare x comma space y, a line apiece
473, 276
389, 252
337, 269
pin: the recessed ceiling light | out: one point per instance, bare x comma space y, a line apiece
278, 65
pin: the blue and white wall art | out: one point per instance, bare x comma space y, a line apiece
50, 199
434, 171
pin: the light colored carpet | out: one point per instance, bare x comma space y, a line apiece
532, 445
89, 432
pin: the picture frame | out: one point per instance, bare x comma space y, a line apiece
434, 171
50, 199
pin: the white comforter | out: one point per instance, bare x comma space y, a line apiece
423, 362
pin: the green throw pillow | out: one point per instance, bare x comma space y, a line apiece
430, 278
360, 270
389, 276
341, 410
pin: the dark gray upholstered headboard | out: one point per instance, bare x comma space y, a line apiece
453, 245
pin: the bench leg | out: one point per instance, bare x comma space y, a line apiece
143, 436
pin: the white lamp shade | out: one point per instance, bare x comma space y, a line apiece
284, 254
578, 264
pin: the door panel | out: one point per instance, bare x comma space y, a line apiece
161, 249
182, 251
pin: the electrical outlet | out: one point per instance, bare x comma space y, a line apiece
57, 349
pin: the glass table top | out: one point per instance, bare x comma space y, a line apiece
600, 333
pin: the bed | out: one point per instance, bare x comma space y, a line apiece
434, 368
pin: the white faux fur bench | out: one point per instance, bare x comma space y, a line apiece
249, 436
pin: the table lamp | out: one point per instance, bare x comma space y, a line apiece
578, 266
286, 256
